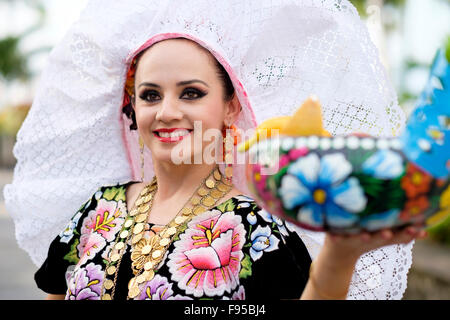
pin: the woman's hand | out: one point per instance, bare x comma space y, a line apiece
333, 268
350, 248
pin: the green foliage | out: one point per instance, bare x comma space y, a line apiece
447, 49
361, 5
13, 64
441, 232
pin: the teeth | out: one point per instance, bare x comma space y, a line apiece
174, 134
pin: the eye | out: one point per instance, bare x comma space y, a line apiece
150, 96
192, 94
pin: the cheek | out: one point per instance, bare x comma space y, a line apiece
144, 118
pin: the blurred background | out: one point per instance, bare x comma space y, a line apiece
406, 32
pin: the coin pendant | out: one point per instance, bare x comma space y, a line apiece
115, 257
138, 228
136, 239
139, 202
128, 223
140, 278
222, 187
202, 192
148, 266
171, 231
217, 175
109, 284
149, 275
146, 249
106, 296
195, 200
144, 208
132, 283
208, 201
164, 242
144, 191
198, 210
134, 292
119, 245
111, 270
148, 197
180, 219
216, 194
156, 254
186, 211
134, 212
141, 217
210, 183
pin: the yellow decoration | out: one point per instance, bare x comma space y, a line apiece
306, 121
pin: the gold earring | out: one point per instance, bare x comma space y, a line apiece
228, 143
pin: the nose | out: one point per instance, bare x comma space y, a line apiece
169, 110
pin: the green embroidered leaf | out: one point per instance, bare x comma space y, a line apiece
227, 206
72, 255
181, 230
114, 193
246, 267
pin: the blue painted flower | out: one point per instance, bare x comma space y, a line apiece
67, 234
322, 187
384, 164
262, 241
382, 220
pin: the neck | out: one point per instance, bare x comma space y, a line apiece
179, 181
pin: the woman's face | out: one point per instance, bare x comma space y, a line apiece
177, 88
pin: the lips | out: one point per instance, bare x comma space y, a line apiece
171, 134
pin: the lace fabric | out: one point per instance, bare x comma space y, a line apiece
277, 52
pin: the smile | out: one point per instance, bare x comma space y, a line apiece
171, 135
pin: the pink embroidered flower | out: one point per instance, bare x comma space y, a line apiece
207, 258
106, 219
90, 244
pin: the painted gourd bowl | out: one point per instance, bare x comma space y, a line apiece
350, 184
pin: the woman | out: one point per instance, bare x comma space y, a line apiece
224, 249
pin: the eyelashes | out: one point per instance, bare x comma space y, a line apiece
152, 96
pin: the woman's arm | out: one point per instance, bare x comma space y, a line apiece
55, 297
332, 270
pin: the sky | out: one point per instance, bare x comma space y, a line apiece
425, 24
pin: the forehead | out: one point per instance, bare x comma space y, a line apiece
176, 57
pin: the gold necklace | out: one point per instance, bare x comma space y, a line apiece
147, 254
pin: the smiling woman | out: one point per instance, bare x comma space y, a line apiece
187, 229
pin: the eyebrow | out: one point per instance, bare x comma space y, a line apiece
179, 84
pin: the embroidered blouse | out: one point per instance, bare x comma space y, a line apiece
249, 254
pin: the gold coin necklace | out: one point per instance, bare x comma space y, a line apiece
147, 254
123, 237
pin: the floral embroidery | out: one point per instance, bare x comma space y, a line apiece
159, 289
106, 219
90, 245
262, 241
273, 219
206, 259
85, 283
323, 185
67, 234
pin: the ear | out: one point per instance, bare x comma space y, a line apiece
233, 109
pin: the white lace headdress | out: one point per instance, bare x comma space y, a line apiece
277, 52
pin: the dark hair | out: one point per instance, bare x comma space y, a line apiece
223, 76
